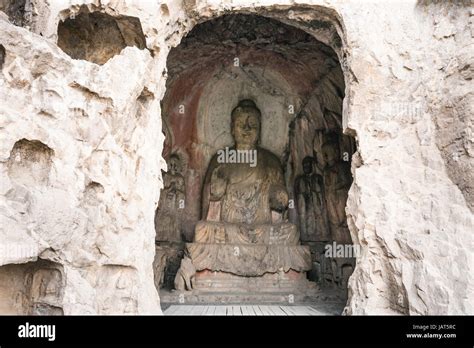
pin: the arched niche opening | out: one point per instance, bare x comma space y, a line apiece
298, 86
97, 37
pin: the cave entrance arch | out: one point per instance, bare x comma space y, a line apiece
290, 62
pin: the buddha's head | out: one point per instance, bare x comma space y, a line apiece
308, 165
330, 153
174, 164
245, 126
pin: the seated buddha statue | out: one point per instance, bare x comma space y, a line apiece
244, 201
244, 198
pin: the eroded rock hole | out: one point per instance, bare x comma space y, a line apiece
164, 10
30, 163
15, 10
267, 219
2, 56
97, 36
92, 193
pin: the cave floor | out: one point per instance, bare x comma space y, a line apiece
249, 310
310, 302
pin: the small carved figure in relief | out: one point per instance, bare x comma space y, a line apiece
172, 201
337, 180
45, 293
311, 204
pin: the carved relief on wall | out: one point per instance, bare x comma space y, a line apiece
117, 288
311, 203
170, 221
320, 192
44, 289
337, 181
169, 214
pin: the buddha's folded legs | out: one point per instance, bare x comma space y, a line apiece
248, 250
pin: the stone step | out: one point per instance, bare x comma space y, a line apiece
334, 300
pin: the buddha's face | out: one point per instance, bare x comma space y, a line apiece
246, 128
308, 165
330, 154
174, 166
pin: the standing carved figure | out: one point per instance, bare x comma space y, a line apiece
337, 180
172, 200
311, 204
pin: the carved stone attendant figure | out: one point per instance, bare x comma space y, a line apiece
172, 199
46, 289
311, 204
337, 180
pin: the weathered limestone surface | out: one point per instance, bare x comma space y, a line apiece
80, 151
80, 171
409, 204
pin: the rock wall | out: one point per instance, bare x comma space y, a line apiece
80, 158
81, 143
408, 210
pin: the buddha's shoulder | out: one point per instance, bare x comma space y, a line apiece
269, 157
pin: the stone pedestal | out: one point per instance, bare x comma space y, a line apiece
249, 260
264, 258
281, 282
